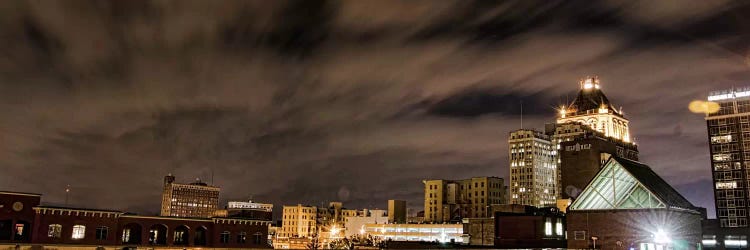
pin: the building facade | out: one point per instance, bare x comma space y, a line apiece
582, 158
453, 200
354, 225
533, 173
194, 200
396, 211
627, 205
299, 221
729, 145
81, 228
521, 226
590, 115
592, 108
446, 233
247, 210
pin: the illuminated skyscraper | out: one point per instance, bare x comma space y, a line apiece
591, 107
532, 168
586, 132
729, 140
196, 199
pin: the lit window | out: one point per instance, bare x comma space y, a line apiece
19, 230
559, 227
54, 231
79, 231
722, 157
721, 139
548, 227
726, 185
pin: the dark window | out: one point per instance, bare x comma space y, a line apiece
225, 237
101, 233
241, 237
257, 239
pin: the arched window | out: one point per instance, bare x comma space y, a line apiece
79, 231
131, 234
200, 236
180, 235
54, 231
225, 237
157, 235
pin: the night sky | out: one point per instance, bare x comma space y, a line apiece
355, 101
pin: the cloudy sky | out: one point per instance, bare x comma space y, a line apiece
305, 101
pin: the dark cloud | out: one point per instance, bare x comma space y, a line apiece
308, 101
472, 103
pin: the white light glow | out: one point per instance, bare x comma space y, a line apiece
709, 242
735, 242
661, 237
730, 95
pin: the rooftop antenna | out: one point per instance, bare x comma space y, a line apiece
521, 101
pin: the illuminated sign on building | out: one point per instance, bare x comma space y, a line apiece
578, 147
729, 94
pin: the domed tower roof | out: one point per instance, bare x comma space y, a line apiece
590, 99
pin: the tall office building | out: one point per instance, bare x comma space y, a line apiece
452, 200
196, 199
586, 132
729, 140
532, 168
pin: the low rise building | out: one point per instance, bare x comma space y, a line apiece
521, 226
81, 228
453, 233
627, 205
354, 225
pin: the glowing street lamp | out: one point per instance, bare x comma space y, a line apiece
334, 231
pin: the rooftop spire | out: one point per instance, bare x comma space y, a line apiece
590, 82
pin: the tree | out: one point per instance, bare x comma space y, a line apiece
314, 243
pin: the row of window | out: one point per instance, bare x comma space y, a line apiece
732, 212
730, 203
733, 222
79, 232
731, 194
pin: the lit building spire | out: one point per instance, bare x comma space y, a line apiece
591, 107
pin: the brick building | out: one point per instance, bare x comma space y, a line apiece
627, 205
30, 224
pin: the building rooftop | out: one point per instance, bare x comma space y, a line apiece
19, 193
626, 184
79, 209
589, 98
655, 184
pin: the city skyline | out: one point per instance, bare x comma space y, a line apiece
359, 108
